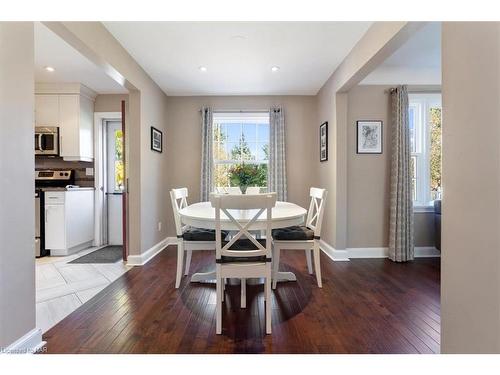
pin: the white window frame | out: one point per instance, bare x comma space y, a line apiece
242, 118
422, 103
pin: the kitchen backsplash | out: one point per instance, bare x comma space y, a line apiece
81, 178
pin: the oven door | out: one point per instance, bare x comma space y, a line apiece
47, 142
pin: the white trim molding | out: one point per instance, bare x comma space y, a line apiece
423, 209
334, 254
142, 259
382, 252
427, 252
28, 344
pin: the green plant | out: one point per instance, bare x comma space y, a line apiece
248, 175
242, 174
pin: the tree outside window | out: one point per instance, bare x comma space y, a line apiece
241, 149
119, 166
425, 143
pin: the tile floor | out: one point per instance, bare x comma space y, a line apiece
61, 287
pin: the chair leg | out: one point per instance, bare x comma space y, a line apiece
243, 293
267, 292
188, 261
223, 287
317, 267
180, 259
276, 265
309, 262
218, 306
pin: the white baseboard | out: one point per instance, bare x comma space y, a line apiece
140, 260
334, 254
382, 252
28, 344
367, 252
427, 252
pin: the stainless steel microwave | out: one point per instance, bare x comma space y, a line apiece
47, 140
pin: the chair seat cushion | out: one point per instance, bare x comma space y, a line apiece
201, 234
243, 245
295, 233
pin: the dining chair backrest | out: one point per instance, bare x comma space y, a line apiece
179, 201
259, 203
316, 210
253, 190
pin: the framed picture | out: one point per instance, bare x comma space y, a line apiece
369, 137
156, 140
323, 141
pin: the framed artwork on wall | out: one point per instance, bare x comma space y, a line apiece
323, 141
369, 137
156, 140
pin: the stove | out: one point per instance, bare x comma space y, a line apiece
54, 178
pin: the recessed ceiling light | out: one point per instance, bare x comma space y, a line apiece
49, 69
238, 37
275, 68
203, 68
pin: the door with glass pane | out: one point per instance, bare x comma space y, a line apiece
114, 181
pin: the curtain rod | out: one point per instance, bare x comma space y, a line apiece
240, 111
417, 90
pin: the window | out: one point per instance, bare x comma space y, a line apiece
425, 145
241, 149
119, 183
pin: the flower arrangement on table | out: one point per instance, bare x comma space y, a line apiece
243, 175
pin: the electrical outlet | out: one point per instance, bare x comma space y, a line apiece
159, 226
89, 171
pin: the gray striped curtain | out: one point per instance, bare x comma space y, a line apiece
276, 174
401, 248
207, 159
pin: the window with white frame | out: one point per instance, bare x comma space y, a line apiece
240, 149
425, 146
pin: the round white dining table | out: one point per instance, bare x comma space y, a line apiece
202, 215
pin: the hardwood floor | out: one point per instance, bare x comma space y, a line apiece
365, 306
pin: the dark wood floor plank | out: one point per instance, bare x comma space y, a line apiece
365, 306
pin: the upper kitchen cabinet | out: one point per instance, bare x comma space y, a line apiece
71, 108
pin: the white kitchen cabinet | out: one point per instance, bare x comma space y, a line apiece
46, 110
71, 108
69, 220
69, 132
55, 233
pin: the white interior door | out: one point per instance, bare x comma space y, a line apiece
114, 181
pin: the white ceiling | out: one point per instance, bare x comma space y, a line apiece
70, 66
238, 55
417, 62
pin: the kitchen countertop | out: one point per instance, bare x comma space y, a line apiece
66, 189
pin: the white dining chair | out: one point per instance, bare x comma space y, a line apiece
188, 238
302, 237
243, 256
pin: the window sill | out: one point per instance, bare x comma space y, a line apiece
423, 209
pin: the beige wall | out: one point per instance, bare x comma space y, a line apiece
470, 272
184, 139
109, 102
368, 176
149, 202
17, 165
379, 42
